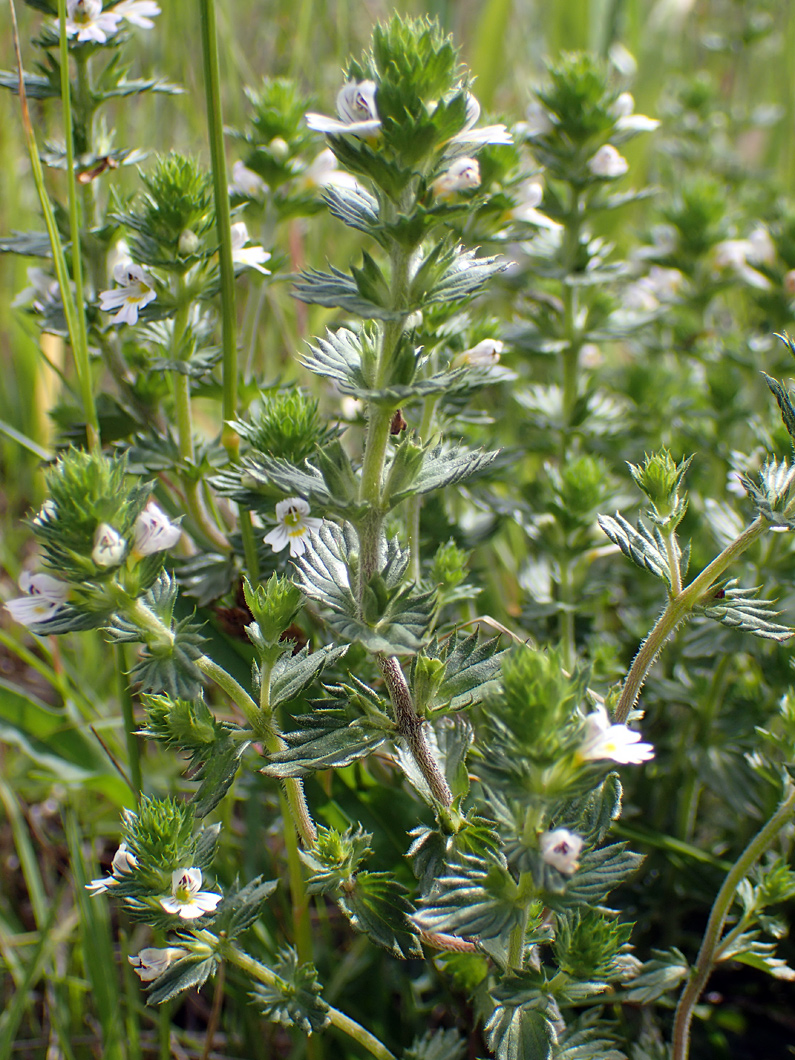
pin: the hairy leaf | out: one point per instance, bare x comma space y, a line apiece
644, 547
292, 674
742, 609
294, 1000
376, 904
189, 973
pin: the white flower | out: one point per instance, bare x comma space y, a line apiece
463, 175
623, 106
484, 355
608, 163
537, 121
532, 194
137, 291
110, 547
151, 962
561, 849
736, 254
138, 12
358, 114
604, 740
45, 596
86, 20
488, 134
186, 900
154, 532
246, 183
248, 257
122, 865
44, 291
295, 525
323, 171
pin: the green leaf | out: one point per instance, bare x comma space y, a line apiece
329, 740
471, 668
644, 547
665, 971
449, 741
437, 1045
336, 290
520, 1032
475, 898
344, 357
442, 467
396, 616
376, 904
742, 609
294, 1001
242, 908
600, 872
190, 972
292, 674
29, 244
355, 208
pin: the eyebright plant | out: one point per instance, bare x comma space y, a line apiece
497, 759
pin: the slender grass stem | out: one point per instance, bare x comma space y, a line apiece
59, 260
215, 128
720, 910
132, 741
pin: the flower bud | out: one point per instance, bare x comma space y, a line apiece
608, 163
463, 175
110, 547
189, 243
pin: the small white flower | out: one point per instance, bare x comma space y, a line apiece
488, 134
248, 257
186, 900
532, 194
463, 175
323, 171
561, 849
154, 532
151, 962
138, 12
604, 740
110, 547
246, 183
44, 291
123, 864
623, 106
45, 596
484, 355
608, 163
358, 114
737, 254
295, 525
137, 291
86, 20
537, 121
637, 123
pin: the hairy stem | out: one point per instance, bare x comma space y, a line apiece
414, 504
410, 727
679, 607
720, 909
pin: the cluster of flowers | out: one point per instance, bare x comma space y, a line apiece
45, 595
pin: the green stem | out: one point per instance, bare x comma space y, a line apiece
337, 1019
184, 417
679, 607
517, 937
414, 504
78, 336
215, 128
717, 918
133, 743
